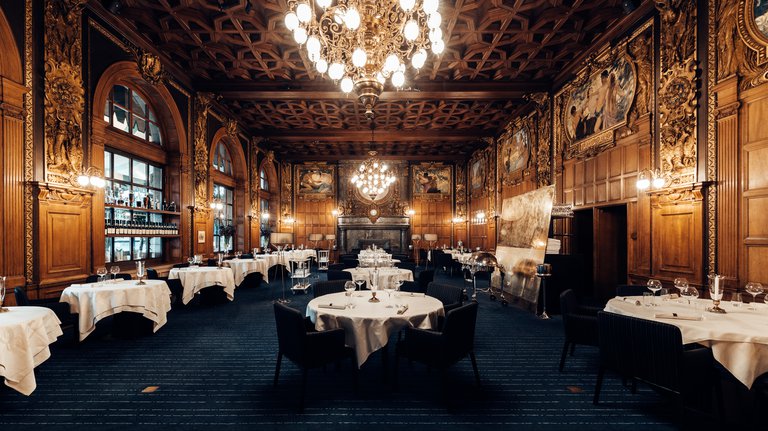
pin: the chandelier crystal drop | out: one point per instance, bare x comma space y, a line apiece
366, 42
373, 177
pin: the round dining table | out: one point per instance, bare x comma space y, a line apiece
95, 301
196, 278
369, 325
25, 334
384, 276
243, 267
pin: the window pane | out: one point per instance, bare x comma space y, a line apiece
155, 218
138, 196
152, 115
154, 134
122, 191
120, 95
120, 118
155, 248
263, 180
139, 172
122, 168
140, 248
122, 249
108, 250
155, 177
139, 127
157, 199
106, 111
139, 106
107, 164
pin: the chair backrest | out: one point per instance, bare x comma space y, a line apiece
350, 263
631, 290
181, 265
426, 277
410, 286
446, 293
568, 306
152, 274
459, 331
645, 349
407, 265
336, 267
246, 256
322, 255
93, 278
339, 275
21, 296
125, 276
290, 331
325, 287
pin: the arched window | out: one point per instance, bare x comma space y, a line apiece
263, 183
221, 159
127, 111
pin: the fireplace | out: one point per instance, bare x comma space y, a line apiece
389, 233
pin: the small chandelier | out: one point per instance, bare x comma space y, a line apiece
373, 177
362, 43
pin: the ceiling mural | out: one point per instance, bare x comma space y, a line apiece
496, 53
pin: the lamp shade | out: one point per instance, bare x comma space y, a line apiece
330, 237
416, 237
430, 237
281, 238
315, 237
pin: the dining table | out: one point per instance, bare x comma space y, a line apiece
369, 325
383, 276
243, 267
196, 278
93, 302
738, 338
25, 336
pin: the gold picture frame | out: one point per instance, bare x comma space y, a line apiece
432, 180
753, 27
315, 181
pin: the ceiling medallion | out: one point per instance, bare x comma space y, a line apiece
362, 43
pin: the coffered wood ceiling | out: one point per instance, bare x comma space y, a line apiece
496, 52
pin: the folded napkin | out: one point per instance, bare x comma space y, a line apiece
676, 316
402, 310
335, 307
402, 294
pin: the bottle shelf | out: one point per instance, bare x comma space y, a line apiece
142, 209
133, 235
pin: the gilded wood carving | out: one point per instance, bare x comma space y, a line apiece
64, 101
150, 67
202, 106
753, 27
461, 189
287, 189
641, 51
543, 143
253, 160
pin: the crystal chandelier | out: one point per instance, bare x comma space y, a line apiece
372, 177
362, 43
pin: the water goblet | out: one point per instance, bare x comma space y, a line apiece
114, 270
690, 293
753, 288
389, 288
654, 286
680, 284
349, 287
191, 261
102, 273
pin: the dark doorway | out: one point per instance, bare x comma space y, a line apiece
582, 240
610, 250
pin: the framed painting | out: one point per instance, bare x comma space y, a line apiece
478, 175
514, 153
432, 180
600, 104
753, 26
315, 181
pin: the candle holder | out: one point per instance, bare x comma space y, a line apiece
716, 293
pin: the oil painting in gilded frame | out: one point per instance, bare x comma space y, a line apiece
514, 153
478, 176
600, 104
753, 27
315, 181
431, 180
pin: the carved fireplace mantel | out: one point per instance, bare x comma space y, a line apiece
386, 232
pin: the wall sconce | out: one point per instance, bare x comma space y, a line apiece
287, 219
647, 179
458, 219
479, 218
218, 206
335, 212
265, 216
90, 177
410, 212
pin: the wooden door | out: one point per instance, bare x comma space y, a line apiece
610, 250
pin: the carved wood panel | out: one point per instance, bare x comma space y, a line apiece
677, 235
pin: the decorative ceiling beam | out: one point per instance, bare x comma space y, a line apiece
336, 135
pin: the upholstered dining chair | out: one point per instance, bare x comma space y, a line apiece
631, 290
444, 348
653, 352
449, 295
307, 348
336, 267
338, 275
424, 278
579, 324
325, 287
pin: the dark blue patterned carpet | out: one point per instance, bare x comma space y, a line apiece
213, 366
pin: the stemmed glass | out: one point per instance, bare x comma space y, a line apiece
191, 261
114, 270
389, 288
237, 254
220, 260
349, 287
753, 288
680, 284
359, 283
140, 271
2, 293
654, 286
691, 293
102, 273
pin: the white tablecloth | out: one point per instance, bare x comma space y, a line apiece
300, 255
243, 267
368, 326
738, 339
25, 333
195, 279
386, 275
95, 301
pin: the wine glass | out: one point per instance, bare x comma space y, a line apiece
349, 287
220, 260
237, 254
654, 286
191, 261
140, 271
680, 284
691, 293
753, 288
114, 270
389, 288
359, 283
2, 292
102, 273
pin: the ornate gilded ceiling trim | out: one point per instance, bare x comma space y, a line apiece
64, 100
29, 150
202, 108
109, 35
711, 137
62, 194
150, 67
